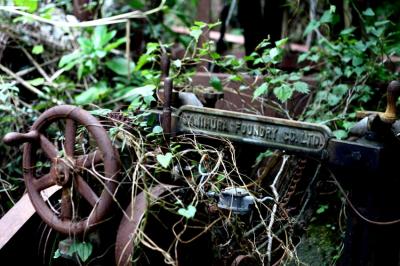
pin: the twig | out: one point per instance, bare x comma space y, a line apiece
39, 68
23, 82
274, 207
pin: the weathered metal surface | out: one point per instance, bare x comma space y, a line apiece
14, 138
290, 136
129, 225
64, 170
19, 214
348, 154
166, 116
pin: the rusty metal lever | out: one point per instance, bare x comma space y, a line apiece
15, 138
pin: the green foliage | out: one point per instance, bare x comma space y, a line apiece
82, 249
29, 5
92, 52
348, 68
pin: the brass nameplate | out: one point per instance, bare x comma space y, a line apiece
275, 133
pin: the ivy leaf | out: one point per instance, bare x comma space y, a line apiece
189, 212
195, 32
281, 42
157, 130
37, 49
301, 86
347, 31
356, 61
302, 57
340, 134
274, 52
119, 65
322, 209
144, 91
368, 12
283, 92
326, 17
215, 82
311, 27
84, 250
333, 99
262, 89
164, 160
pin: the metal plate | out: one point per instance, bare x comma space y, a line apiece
274, 133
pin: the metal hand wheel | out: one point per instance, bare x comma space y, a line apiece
73, 163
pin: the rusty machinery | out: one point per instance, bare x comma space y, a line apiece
367, 165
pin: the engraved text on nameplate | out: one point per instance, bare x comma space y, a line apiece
252, 130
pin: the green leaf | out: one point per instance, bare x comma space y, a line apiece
340, 134
36, 82
281, 42
98, 36
119, 65
340, 89
347, 31
84, 250
356, 61
326, 17
368, 12
274, 52
322, 209
262, 89
57, 254
136, 4
302, 57
263, 155
37, 49
283, 92
30, 5
152, 47
69, 60
143, 59
195, 32
215, 82
189, 212
164, 160
92, 94
301, 86
114, 45
311, 27
333, 99
143, 91
157, 130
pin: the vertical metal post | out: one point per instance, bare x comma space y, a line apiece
166, 116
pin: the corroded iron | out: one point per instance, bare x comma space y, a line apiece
130, 223
65, 171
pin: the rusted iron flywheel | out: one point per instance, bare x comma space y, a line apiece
66, 171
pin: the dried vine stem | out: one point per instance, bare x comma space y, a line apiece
122, 18
274, 208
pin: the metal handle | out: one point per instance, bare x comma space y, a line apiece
15, 138
393, 92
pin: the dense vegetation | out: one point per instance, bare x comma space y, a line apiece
113, 65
